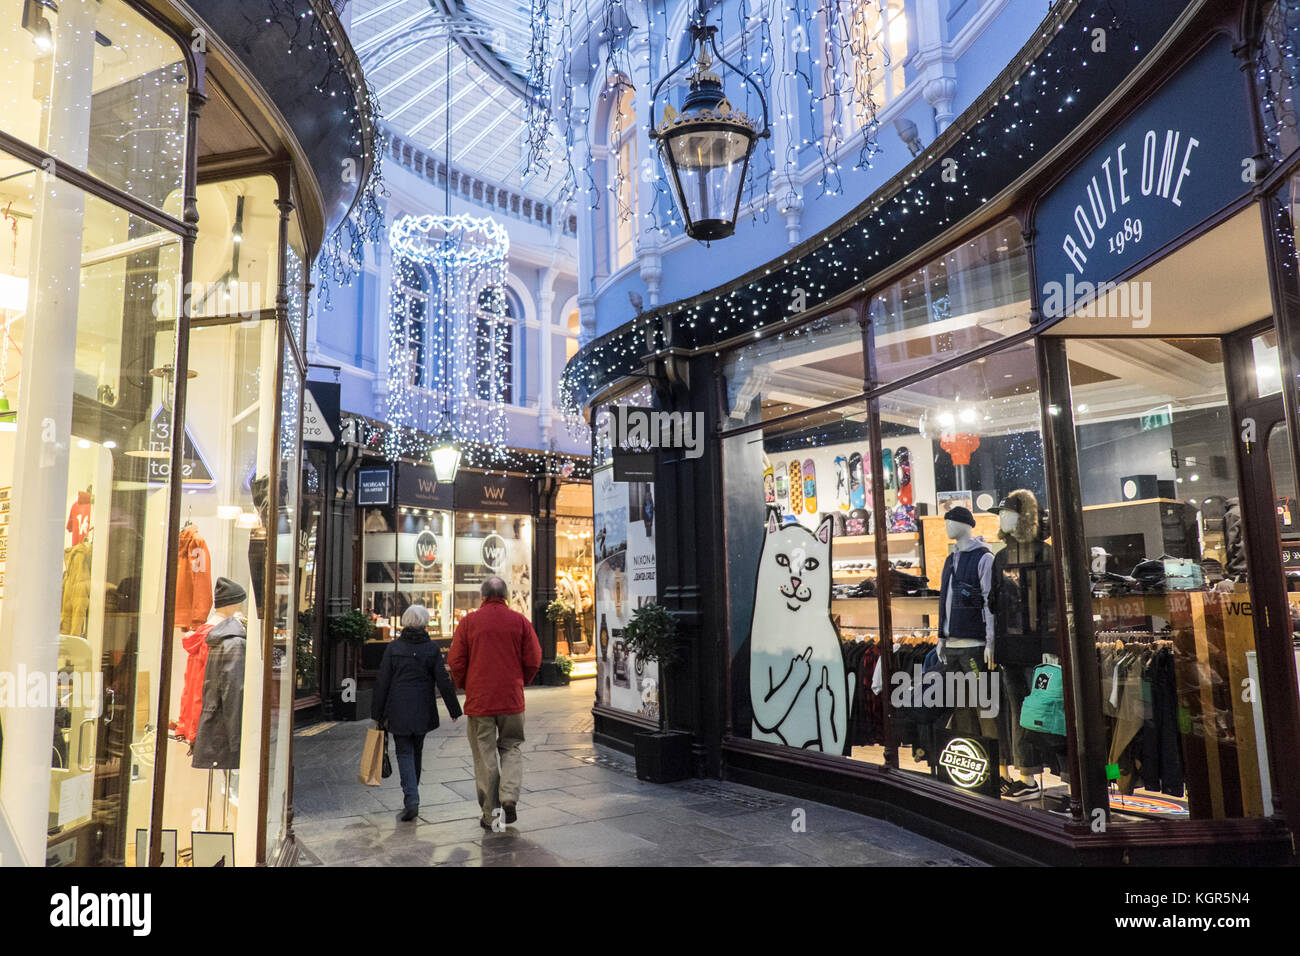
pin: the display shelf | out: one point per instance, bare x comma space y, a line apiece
902, 537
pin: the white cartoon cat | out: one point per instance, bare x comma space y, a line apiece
796, 668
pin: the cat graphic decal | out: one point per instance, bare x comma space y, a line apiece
796, 668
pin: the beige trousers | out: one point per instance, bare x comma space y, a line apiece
489, 738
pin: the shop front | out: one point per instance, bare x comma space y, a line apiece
422, 541
129, 489
1006, 533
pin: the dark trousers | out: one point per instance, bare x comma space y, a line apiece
410, 756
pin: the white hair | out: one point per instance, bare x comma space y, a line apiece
417, 615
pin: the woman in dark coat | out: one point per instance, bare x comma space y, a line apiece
404, 701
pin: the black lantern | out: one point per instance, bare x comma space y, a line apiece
705, 148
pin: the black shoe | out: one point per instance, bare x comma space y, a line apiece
1021, 790
1004, 787
511, 813
409, 814
484, 824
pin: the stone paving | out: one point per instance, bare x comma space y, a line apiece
582, 805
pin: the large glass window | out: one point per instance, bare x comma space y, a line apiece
965, 493
802, 574
814, 364
100, 87
971, 297
86, 365
1171, 607
487, 545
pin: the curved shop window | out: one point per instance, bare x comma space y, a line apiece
971, 297
239, 522
100, 87
85, 426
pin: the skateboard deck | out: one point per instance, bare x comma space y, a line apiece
890, 489
856, 492
903, 467
782, 484
841, 483
796, 488
769, 485
809, 486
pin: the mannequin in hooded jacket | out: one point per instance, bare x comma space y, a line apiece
966, 632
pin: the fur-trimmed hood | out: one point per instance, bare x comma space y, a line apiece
1027, 527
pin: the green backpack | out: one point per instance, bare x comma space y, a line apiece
1044, 708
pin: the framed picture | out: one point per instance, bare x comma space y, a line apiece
951, 499
142, 847
212, 849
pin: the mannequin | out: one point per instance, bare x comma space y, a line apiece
217, 739
966, 625
1025, 619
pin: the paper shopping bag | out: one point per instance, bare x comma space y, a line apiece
372, 759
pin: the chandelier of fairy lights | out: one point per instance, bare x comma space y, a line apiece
449, 345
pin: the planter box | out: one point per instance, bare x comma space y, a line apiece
663, 757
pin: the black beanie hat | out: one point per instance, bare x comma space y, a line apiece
227, 592
960, 514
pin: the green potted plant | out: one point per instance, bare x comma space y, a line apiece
348, 634
563, 666
652, 636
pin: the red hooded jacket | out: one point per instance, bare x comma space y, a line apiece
494, 654
196, 645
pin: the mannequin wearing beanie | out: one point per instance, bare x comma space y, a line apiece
966, 626
1025, 614
217, 740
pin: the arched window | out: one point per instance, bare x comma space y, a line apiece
494, 345
571, 341
623, 211
411, 317
872, 53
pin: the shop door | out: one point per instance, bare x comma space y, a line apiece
1271, 516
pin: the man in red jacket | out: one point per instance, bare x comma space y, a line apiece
494, 654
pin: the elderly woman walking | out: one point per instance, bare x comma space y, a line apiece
405, 703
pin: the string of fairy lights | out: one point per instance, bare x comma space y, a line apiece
820, 62
1034, 111
305, 30
449, 351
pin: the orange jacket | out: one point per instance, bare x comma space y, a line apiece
196, 645
193, 580
494, 654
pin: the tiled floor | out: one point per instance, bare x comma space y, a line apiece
581, 805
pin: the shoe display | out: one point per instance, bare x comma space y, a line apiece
1020, 789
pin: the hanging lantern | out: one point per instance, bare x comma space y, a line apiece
705, 148
446, 458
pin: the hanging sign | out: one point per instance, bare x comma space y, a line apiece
418, 487
194, 469
375, 486
320, 413
1181, 157
495, 494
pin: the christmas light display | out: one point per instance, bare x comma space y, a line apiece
448, 356
1008, 129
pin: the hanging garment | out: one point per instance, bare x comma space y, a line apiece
193, 580
79, 518
196, 646
76, 590
1162, 765
216, 741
